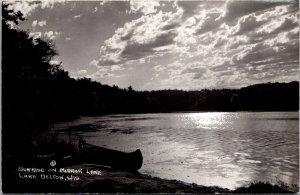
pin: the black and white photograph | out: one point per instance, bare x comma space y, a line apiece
150, 96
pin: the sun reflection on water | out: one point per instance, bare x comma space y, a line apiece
209, 120
214, 148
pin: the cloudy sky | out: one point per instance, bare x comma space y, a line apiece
171, 44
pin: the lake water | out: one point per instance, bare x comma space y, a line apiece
226, 149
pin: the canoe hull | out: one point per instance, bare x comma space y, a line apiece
108, 157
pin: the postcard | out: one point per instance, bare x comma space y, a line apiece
150, 96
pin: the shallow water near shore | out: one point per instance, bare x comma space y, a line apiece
210, 148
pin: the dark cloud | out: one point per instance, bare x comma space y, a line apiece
248, 23
127, 36
220, 42
193, 70
269, 63
189, 7
134, 50
197, 72
139, 38
255, 55
226, 73
236, 9
289, 52
286, 25
170, 26
199, 75
194, 7
209, 24
220, 68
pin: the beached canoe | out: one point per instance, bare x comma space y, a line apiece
108, 157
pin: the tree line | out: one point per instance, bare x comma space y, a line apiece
36, 93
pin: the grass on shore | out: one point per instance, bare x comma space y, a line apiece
266, 187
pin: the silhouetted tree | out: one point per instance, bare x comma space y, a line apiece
27, 79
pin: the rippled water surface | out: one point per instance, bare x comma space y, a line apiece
212, 148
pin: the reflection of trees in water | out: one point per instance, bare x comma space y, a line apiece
235, 101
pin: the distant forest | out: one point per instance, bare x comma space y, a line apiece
36, 93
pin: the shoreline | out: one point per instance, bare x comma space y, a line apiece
115, 181
88, 178
108, 180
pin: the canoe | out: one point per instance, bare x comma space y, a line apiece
116, 159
